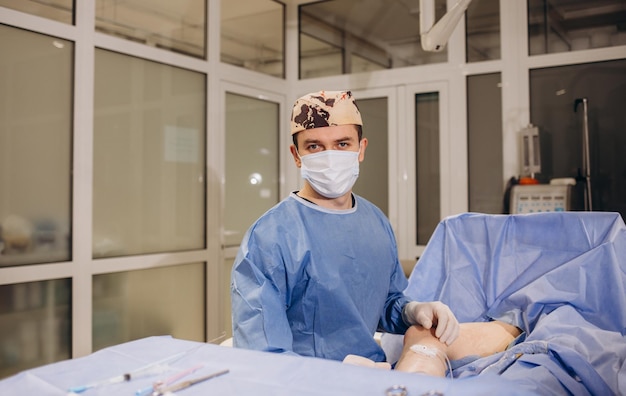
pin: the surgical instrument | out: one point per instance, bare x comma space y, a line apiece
160, 384
186, 384
152, 368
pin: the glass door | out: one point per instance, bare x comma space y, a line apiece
383, 174
253, 154
374, 175
427, 176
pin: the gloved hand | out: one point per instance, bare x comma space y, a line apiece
432, 313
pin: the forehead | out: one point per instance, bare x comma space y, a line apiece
329, 134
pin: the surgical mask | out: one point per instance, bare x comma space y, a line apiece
331, 173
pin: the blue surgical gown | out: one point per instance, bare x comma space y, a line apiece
313, 281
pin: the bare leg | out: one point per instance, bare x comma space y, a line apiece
426, 363
475, 339
363, 361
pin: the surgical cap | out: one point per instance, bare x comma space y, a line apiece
323, 109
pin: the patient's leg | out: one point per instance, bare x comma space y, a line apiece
363, 361
481, 339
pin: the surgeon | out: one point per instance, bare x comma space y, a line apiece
318, 274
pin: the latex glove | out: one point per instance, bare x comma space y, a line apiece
434, 313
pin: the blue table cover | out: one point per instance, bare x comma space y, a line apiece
250, 373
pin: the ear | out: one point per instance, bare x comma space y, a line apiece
363, 147
294, 153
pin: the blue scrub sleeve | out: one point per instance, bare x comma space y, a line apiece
257, 304
391, 320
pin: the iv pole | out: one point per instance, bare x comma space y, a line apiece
586, 169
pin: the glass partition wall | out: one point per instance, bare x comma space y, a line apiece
564, 25
139, 139
149, 156
557, 107
353, 36
35, 147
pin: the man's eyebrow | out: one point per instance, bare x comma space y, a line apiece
318, 141
343, 139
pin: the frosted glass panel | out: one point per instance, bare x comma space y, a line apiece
252, 179
427, 163
35, 147
149, 157
381, 33
322, 59
253, 35
35, 324
179, 26
226, 306
159, 301
482, 30
484, 112
57, 10
373, 181
359, 64
575, 25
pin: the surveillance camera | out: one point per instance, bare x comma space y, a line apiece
434, 38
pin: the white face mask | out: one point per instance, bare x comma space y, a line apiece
331, 173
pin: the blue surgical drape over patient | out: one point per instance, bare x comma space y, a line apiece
317, 282
558, 276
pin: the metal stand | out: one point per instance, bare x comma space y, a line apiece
586, 169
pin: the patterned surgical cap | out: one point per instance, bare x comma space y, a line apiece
323, 109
